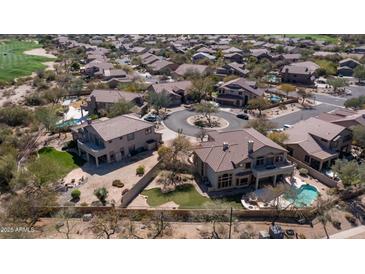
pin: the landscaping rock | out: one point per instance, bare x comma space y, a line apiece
87, 217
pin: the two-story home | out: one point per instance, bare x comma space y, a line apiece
318, 143
299, 73
240, 158
110, 140
176, 91
103, 99
238, 92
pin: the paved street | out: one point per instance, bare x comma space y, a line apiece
178, 120
297, 116
326, 104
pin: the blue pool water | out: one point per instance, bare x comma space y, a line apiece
275, 98
304, 196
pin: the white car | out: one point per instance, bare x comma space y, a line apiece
286, 126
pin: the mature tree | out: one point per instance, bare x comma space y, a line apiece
337, 83
158, 100
54, 95
304, 95
201, 88
101, 193
48, 117
120, 108
262, 125
359, 135
206, 109
174, 156
350, 172
359, 72
278, 137
105, 224
258, 103
287, 88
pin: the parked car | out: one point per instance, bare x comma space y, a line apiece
151, 118
243, 116
286, 126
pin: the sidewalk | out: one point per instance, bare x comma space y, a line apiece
350, 233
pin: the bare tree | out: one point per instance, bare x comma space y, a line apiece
105, 224
66, 227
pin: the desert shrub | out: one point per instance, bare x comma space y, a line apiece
117, 183
84, 204
75, 194
140, 170
101, 193
303, 171
15, 116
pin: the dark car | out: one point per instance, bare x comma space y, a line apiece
151, 118
243, 116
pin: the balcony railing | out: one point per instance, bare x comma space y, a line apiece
274, 169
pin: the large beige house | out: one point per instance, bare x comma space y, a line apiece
318, 143
238, 92
110, 140
240, 158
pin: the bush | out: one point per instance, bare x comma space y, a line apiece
75, 194
15, 116
140, 170
303, 171
84, 204
117, 183
101, 193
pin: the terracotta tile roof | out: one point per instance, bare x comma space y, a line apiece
219, 159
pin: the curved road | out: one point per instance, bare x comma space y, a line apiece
177, 120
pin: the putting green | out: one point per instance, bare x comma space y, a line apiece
14, 63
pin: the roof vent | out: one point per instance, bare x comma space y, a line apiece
225, 146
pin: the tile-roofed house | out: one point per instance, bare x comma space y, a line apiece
317, 142
346, 67
201, 56
115, 139
260, 53
184, 69
177, 91
102, 99
161, 67
96, 67
300, 72
238, 92
344, 117
239, 158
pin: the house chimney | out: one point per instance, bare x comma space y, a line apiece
250, 146
225, 146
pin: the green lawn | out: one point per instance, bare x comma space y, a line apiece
14, 63
52, 165
319, 37
186, 196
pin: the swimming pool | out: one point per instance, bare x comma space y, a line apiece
304, 196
